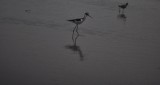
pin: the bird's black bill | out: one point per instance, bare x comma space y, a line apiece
90, 16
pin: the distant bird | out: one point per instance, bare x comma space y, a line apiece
79, 21
122, 6
28, 10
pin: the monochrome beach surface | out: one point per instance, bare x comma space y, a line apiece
36, 46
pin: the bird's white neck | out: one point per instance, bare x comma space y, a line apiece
84, 17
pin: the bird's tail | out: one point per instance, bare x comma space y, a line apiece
70, 20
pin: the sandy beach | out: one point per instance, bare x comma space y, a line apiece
38, 47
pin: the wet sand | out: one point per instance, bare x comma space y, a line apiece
38, 47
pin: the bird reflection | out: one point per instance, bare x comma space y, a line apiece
75, 48
122, 17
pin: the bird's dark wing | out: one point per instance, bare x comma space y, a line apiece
120, 5
73, 20
123, 5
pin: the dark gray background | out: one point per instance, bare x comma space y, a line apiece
116, 50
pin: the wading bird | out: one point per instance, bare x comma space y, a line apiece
122, 6
79, 21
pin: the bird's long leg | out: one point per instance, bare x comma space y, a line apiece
76, 39
73, 36
123, 11
74, 29
73, 33
77, 30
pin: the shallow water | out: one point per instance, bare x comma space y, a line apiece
39, 48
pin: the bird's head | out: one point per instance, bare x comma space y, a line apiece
87, 14
127, 3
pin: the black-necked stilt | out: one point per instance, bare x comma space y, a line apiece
123, 6
79, 21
